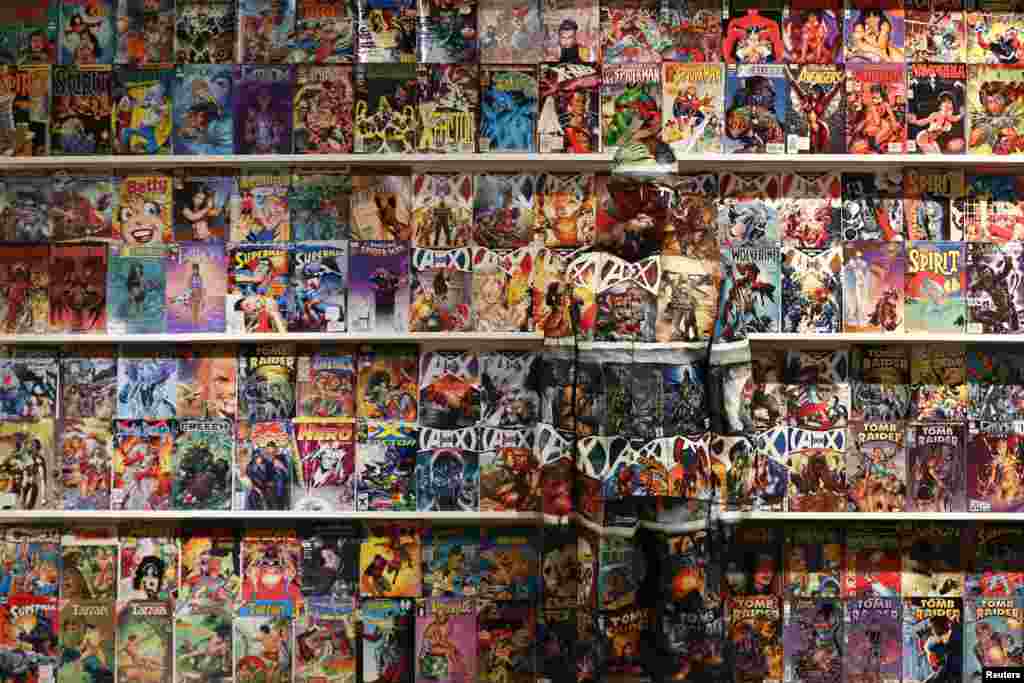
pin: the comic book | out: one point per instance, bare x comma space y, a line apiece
690, 32
873, 642
319, 204
873, 279
880, 385
203, 462
258, 278
936, 108
389, 562
386, 31
319, 287
755, 638
990, 37
143, 474
565, 209
209, 572
502, 290
933, 563
876, 467
875, 92
872, 207
30, 35
263, 646
451, 624
933, 633
816, 117
205, 32
935, 467
936, 36
144, 210
996, 569
145, 641
447, 34
388, 641
386, 103
142, 118
994, 384
993, 474
448, 470
324, 479
569, 120
812, 32
508, 103
817, 470
511, 32
137, 286
34, 574
266, 378
996, 105
992, 625
263, 113
330, 559
78, 289
505, 210
324, 33
326, 383
31, 110
31, 630
381, 207
385, 466
86, 640
196, 287
578, 21
442, 291
813, 639
379, 286
630, 213
861, 28
631, 103
507, 641
509, 472
264, 27
27, 449
685, 311
451, 562
753, 32
509, 388
450, 394
985, 213
691, 107
87, 33
271, 559
323, 108
81, 208
873, 562
930, 204
509, 564
32, 378
990, 298
80, 110
145, 32
86, 448
756, 105
24, 276
630, 32
814, 562
812, 291
263, 208
753, 565
203, 641
205, 207
207, 382
387, 386
940, 391
204, 107
147, 565
333, 630
442, 210
751, 272
552, 305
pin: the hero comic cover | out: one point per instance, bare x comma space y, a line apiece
508, 107
142, 110
385, 466
326, 383
933, 562
448, 106
935, 467
204, 457
876, 467
324, 480
323, 101
197, 280
569, 120
143, 473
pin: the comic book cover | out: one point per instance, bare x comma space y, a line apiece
511, 33
24, 276
812, 32
263, 647
326, 383
143, 473
389, 562
258, 278
876, 108
816, 117
930, 204
685, 311
385, 466
31, 108
571, 31
271, 559
86, 451
626, 300
935, 467
209, 570
630, 32
505, 210
936, 113
876, 467
508, 101
451, 562
630, 216
936, 36
993, 473
27, 450
996, 105
880, 384
996, 569
509, 389
450, 393
87, 32
813, 639
933, 632
933, 563
566, 209
502, 290
569, 120
80, 110
36, 575
560, 568
78, 289
266, 382
205, 207
939, 379
330, 559
989, 37
447, 34
812, 291
323, 108
386, 31
751, 273
34, 26
387, 383
264, 28
326, 462
32, 380
993, 631
204, 108
12, 81
552, 312
691, 107
873, 281
756, 105
631, 103
379, 286
810, 211
983, 215
446, 639
754, 562
319, 204
334, 631
324, 33
873, 642
509, 560
817, 470
753, 32
264, 465
144, 210
203, 462
994, 384
145, 641
690, 32
872, 207
142, 117
442, 210
385, 116
319, 287
31, 634
381, 207
148, 565
205, 32
448, 470
86, 640
874, 33
755, 638
144, 32
203, 642
873, 562
263, 208
137, 283
388, 640
196, 287
507, 638
207, 382
82, 207
263, 114
814, 562
991, 298
442, 291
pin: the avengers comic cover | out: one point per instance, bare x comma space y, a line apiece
324, 33
446, 639
197, 280
32, 107
148, 565
448, 470
263, 645
386, 31
631, 98
144, 210
203, 641
753, 565
812, 291
334, 633
993, 632
990, 37
385, 116
78, 289
87, 638
326, 383
940, 392
144, 32
502, 289
936, 113
379, 287
992, 271
87, 32
143, 469
266, 379
507, 634
814, 559
447, 34
319, 204
204, 108
874, 34
388, 641
930, 204
322, 104
996, 104
264, 465
264, 27
934, 287
385, 466
263, 109
876, 107
690, 32
685, 311
319, 287
993, 472
813, 639
86, 451
32, 631
933, 632
873, 640
630, 33
263, 208
935, 467
137, 283
82, 208
552, 305
381, 207
389, 562
873, 282
451, 562
569, 120
204, 457
876, 467
324, 479
205, 32
752, 273
142, 118
24, 276
755, 638
936, 36
873, 562
691, 107
209, 570
566, 209
387, 383
27, 451
817, 470
509, 559
997, 570
508, 104
207, 382
505, 210
450, 393
205, 207
816, 117
578, 22
330, 559
812, 32
933, 563
511, 33
756, 106
258, 278
442, 210
509, 382
80, 110
145, 641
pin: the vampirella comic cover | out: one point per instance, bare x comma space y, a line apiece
197, 280
935, 467
873, 562
874, 33
319, 287
86, 451
756, 105
569, 120
78, 288
447, 104
873, 640
994, 473
388, 641
204, 108
31, 109
264, 465
204, 457
330, 559
816, 116
387, 383
937, 108
87, 637
266, 382
755, 638
142, 117
447, 33
24, 275
263, 114
325, 470
933, 561
385, 466
812, 32
692, 107
264, 27
143, 473
813, 640
379, 286
80, 111
322, 104
205, 207
326, 382
876, 108
935, 286
508, 107
205, 31
448, 470
258, 278
933, 633
876, 467
385, 117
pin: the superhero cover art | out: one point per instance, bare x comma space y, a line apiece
326, 383
685, 311
442, 210
266, 376
817, 470
873, 563
387, 383
330, 555
32, 636
264, 27
933, 632
323, 101
992, 289
935, 467
80, 110
379, 286
209, 570
630, 33
145, 32
24, 276
690, 32
386, 31
509, 560
996, 104
876, 106
631, 97
333, 632
817, 113
263, 208
994, 384
205, 32
82, 208
508, 108
511, 33
753, 33
755, 636
448, 470
204, 457
145, 637
32, 107
569, 120
934, 287
750, 292
87, 33
505, 210
993, 632
812, 290
446, 639
385, 115
571, 31
148, 566
388, 640
325, 479
142, 118
931, 204
143, 465
873, 285
566, 209
137, 281
756, 104
873, 640
691, 107
263, 647
144, 211
389, 562
204, 109
450, 395
87, 638
381, 208
936, 36
512, 626
997, 570
319, 287
874, 35
324, 33
992, 38
264, 465
814, 562
89, 382
940, 390
451, 562
86, 451
813, 639
320, 207
936, 114
203, 642
197, 281
27, 452
207, 383
271, 559
502, 289
258, 278
933, 562
263, 115
385, 466
812, 32
146, 381
205, 207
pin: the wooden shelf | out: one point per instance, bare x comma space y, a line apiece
434, 338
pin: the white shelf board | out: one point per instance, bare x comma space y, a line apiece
846, 162
886, 338
453, 338
261, 517
739, 517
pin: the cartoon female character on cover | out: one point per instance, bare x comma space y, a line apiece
812, 36
876, 123
196, 294
938, 124
200, 212
871, 39
813, 106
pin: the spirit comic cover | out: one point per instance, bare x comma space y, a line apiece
331, 631
448, 470
87, 32
940, 391
933, 562
996, 104
930, 202
990, 37
386, 31
381, 208
142, 117
263, 114
266, 375
442, 214
204, 108
569, 120
994, 476
813, 639
934, 287
507, 629
933, 633
446, 639
137, 281
379, 287
205, 32
387, 383
78, 289
509, 564
144, 32
812, 290
330, 559
631, 101
874, 34
571, 31
324, 33
209, 570
935, 467
876, 467
31, 110
690, 32
24, 275
388, 641
82, 208
258, 278
755, 638
263, 646
751, 273
692, 107
873, 282
148, 565
509, 382
450, 394
876, 108
385, 116
87, 640
812, 32
319, 204
389, 562
27, 449
325, 480
936, 114
205, 207
442, 291
630, 33
204, 455
511, 33
754, 562
144, 210
197, 281
385, 466
992, 295
873, 562
145, 638
817, 470
326, 383
80, 110
814, 562
502, 289
323, 101
446, 33
508, 106
319, 287
993, 631
86, 451
997, 570
263, 208
873, 640
264, 27
264, 465
816, 117
505, 210
756, 105
566, 210
936, 36
207, 382
451, 562
753, 33
143, 465
202, 640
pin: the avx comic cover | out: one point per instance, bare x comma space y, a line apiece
814, 562
509, 385
817, 471
690, 32
509, 563
571, 31
626, 300
263, 646
205, 32
876, 467
691, 107
27, 449
209, 570
205, 207
271, 559
266, 382
997, 570
935, 285
442, 291
930, 204
330, 565
935, 467
78, 289
387, 641
813, 640
990, 38
320, 206
144, 32
993, 631
324, 33
873, 281
80, 110
319, 287
936, 36
685, 311
442, 213
933, 561
451, 562
812, 32
87, 638
756, 105
142, 117
446, 639
873, 642
631, 101
264, 27
145, 638
630, 216
326, 383
385, 116
996, 104
511, 32
203, 463
751, 273
324, 95
755, 638
381, 207
325, 480
333, 630
447, 33
87, 32
816, 117
137, 282
144, 210
569, 119
82, 208
933, 632
31, 108
940, 391
263, 114
630, 33
143, 465
994, 476
753, 32
202, 640
566, 209
507, 636
207, 382
448, 470
204, 108
86, 451
873, 562
24, 276
936, 108
992, 293
812, 290
147, 565
89, 564
264, 465
876, 108
258, 278
505, 210
389, 562
379, 286
502, 289
874, 33
263, 208
385, 466
386, 31
450, 394
508, 107
197, 281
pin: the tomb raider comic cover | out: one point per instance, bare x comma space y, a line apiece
933, 633
935, 467
880, 383
266, 382
873, 562
876, 467
813, 640
323, 100
873, 640
755, 638
993, 632
325, 480
326, 383
86, 450
933, 561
